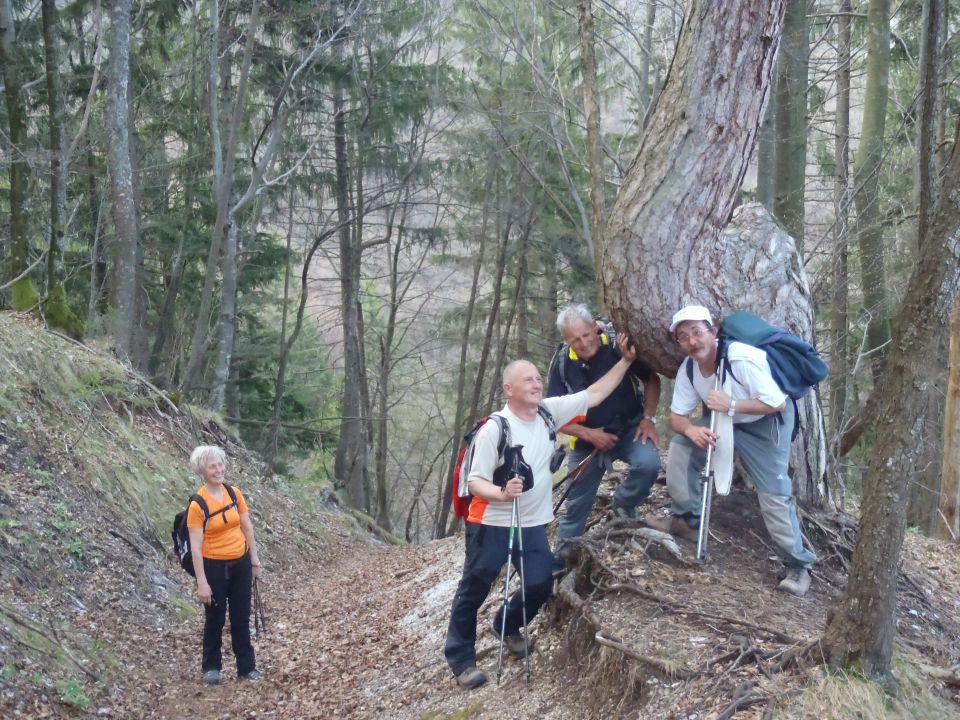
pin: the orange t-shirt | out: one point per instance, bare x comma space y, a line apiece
223, 538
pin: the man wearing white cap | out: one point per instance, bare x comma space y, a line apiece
760, 440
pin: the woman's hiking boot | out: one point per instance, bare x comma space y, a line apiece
472, 678
252, 675
211, 676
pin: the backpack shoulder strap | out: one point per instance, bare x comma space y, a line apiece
562, 356
198, 499
547, 417
504, 426
232, 492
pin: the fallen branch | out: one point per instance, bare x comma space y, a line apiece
604, 636
661, 667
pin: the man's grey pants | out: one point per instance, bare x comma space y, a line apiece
764, 448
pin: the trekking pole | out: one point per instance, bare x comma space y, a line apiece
259, 617
523, 591
706, 482
506, 588
573, 477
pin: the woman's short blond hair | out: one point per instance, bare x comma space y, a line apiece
203, 454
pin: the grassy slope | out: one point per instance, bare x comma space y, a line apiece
93, 466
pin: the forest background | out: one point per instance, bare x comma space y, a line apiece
335, 223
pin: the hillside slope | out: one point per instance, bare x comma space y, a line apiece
93, 467
96, 620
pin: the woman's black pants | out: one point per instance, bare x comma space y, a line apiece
231, 585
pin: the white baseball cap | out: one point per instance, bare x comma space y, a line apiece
690, 312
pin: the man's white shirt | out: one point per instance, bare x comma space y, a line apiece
536, 505
753, 381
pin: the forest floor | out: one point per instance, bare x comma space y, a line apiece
97, 621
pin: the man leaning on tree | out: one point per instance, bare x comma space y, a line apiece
620, 428
762, 428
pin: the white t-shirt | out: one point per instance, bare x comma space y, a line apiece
535, 504
753, 382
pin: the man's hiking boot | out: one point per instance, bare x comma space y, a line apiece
252, 675
563, 559
796, 582
211, 677
621, 512
472, 678
514, 643
674, 525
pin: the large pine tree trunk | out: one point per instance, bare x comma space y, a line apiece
661, 248
668, 241
861, 631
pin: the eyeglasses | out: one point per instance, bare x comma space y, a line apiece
684, 338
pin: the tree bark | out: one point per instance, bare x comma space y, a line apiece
862, 629
925, 491
791, 121
121, 179
839, 321
661, 246
591, 111
929, 100
350, 466
866, 186
766, 155
56, 310
23, 294
948, 516
646, 62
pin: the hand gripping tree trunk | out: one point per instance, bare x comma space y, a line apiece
861, 630
661, 247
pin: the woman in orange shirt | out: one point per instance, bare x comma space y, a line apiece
226, 562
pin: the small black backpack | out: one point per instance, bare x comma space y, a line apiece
181, 535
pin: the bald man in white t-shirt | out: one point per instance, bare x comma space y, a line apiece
488, 522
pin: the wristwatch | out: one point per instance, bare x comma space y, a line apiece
733, 408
